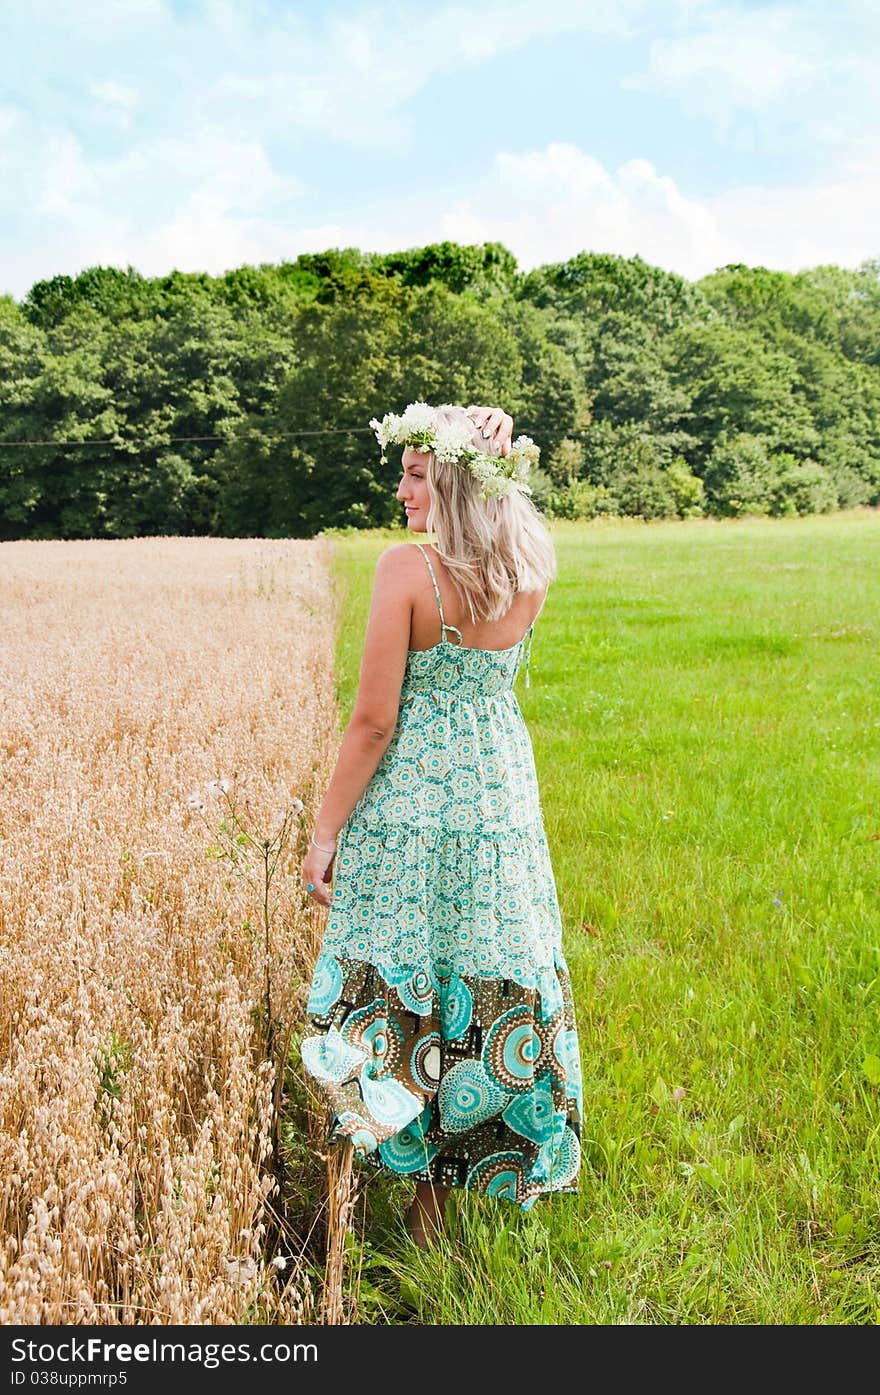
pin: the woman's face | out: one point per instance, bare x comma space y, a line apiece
413, 489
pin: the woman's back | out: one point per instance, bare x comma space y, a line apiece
495, 635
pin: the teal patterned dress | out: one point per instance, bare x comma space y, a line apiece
441, 1027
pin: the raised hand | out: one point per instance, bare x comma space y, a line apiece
496, 425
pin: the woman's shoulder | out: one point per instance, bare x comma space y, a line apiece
399, 562
401, 554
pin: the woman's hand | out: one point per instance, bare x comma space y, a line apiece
495, 424
317, 867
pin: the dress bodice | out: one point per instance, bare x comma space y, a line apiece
462, 671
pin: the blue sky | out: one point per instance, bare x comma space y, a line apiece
203, 135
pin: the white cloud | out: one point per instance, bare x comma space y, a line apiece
560, 201
198, 204
740, 60
66, 177
115, 94
551, 204
352, 81
234, 171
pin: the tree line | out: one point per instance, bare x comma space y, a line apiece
238, 405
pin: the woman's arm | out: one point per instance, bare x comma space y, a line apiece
374, 715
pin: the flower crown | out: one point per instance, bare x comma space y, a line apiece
418, 428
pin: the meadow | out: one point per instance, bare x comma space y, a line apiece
705, 716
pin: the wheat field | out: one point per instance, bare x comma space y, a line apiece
167, 722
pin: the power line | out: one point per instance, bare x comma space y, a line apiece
169, 440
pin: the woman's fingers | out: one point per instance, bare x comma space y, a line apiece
318, 871
496, 425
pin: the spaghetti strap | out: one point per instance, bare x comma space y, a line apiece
529, 636
443, 625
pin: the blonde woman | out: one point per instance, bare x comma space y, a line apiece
441, 1027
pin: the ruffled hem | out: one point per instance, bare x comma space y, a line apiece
465, 1082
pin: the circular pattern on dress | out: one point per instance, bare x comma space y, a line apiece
456, 1008
351, 1126
404, 775
409, 1151
412, 883
436, 766
504, 1183
511, 1048
550, 991
329, 1058
424, 1062
464, 784
467, 1097
326, 985
432, 798
532, 1112
401, 808
416, 992
498, 1174
565, 1049
390, 1103
378, 1033
558, 1163
411, 741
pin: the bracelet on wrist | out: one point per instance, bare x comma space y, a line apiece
321, 847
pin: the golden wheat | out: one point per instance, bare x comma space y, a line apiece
148, 988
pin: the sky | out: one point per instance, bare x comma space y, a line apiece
201, 135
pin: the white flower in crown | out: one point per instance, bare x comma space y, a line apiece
418, 428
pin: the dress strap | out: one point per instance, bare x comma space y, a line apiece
530, 634
443, 624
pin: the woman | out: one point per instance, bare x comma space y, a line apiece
441, 1027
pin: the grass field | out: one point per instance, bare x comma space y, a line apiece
706, 722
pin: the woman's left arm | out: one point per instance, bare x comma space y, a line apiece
374, 715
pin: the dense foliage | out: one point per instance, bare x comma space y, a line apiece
238, 404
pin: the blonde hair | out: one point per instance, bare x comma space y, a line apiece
492, 548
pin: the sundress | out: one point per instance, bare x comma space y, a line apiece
440, 1021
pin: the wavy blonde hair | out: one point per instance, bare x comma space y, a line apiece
492, 548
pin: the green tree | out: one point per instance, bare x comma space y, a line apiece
738, 385
739, 476
112, 293
598, 284
826, 304
360, 358
480, 269
551, 399
801, 486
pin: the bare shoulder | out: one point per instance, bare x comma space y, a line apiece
398, 560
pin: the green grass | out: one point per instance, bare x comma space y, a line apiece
705, 716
